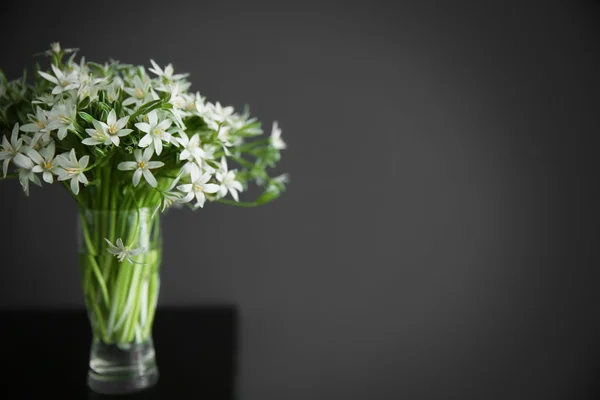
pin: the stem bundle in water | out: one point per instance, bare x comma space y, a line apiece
120, 295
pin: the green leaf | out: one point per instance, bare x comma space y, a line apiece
84, 103
146, 108
86, 116
267, 197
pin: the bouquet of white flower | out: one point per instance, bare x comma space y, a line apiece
128, 145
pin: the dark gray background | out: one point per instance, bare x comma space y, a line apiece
438, 237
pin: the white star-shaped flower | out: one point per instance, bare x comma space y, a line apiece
227, 180
155, 131
62, 117
142, 166
46, 163
72, 169
198, 188
10, 149
63, 82
276, 140
123, 252
109, 132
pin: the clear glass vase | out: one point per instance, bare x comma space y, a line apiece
120, 282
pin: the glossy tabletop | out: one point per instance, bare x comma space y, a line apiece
45, 354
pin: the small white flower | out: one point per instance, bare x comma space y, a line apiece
62, 117
10, 149
220, 113
142, 166
46, 163
39, 124
228, 181
63, 82
72, 169
166, 76
89, 86
122, 252
155, 131
169, 197
114, 89
224, 136
109, 132
276, 140
191, 148
198, 188
46, 99
26, 173
138, 94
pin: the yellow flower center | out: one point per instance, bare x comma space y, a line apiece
71, 170
197, 188
158, 132
112, 129
47, 165
142, 164
40, 124
139, 93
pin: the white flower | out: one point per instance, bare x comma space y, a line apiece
46, 99
276, 140
46, 163
169, 197
166, 76
63, 82
113, 90
62, 117
122, 252
26, 173
191, 148
142, 166
178, 101
228, 181
39, 124
220, 113
224, 136
88, 86
138, 93
155, 132
10, 149
72, 169
109, 132
198, 188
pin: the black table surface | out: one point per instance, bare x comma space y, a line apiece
45, 354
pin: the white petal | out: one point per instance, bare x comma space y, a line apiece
112, 118
150, 178
146, 140
158, 145
35, 156
23, 161
147, 154
185, 188
138, 156
83, 161
144, 127
75, 185
136, 176
127, 166
47, 176
210, 188
155, 164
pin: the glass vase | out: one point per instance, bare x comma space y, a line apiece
120, 254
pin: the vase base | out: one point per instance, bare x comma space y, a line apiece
129, 384
119, 370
